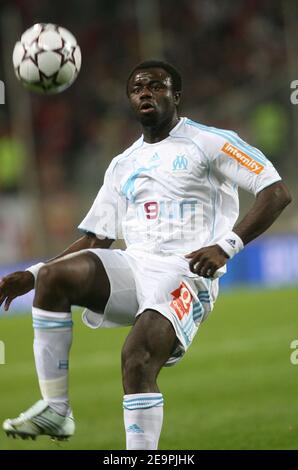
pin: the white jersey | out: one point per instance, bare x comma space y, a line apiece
180, 194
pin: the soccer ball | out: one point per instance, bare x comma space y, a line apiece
47, 59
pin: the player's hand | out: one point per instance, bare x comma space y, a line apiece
205, 261
14, 285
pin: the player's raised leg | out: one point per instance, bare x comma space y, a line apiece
77, 279
147, 348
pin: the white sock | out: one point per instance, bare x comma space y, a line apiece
52, 342
143, 416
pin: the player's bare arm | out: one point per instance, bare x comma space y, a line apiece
20, 282
269, 204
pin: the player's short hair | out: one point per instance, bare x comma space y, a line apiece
160, 64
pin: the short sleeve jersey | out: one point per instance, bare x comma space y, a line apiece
179, 194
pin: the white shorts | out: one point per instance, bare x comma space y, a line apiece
141, 281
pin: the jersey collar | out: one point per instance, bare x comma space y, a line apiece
172, 132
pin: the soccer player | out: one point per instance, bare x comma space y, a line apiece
173, 197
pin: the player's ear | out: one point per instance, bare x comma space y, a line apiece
177, 97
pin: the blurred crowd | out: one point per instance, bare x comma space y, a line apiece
232, 56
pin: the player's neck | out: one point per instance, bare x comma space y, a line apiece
153, 134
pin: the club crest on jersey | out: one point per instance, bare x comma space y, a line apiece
242, 158
180, 163
182, 302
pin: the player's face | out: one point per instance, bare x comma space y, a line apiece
151, 96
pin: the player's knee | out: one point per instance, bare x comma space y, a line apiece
49, 278
136, 364
51, 292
